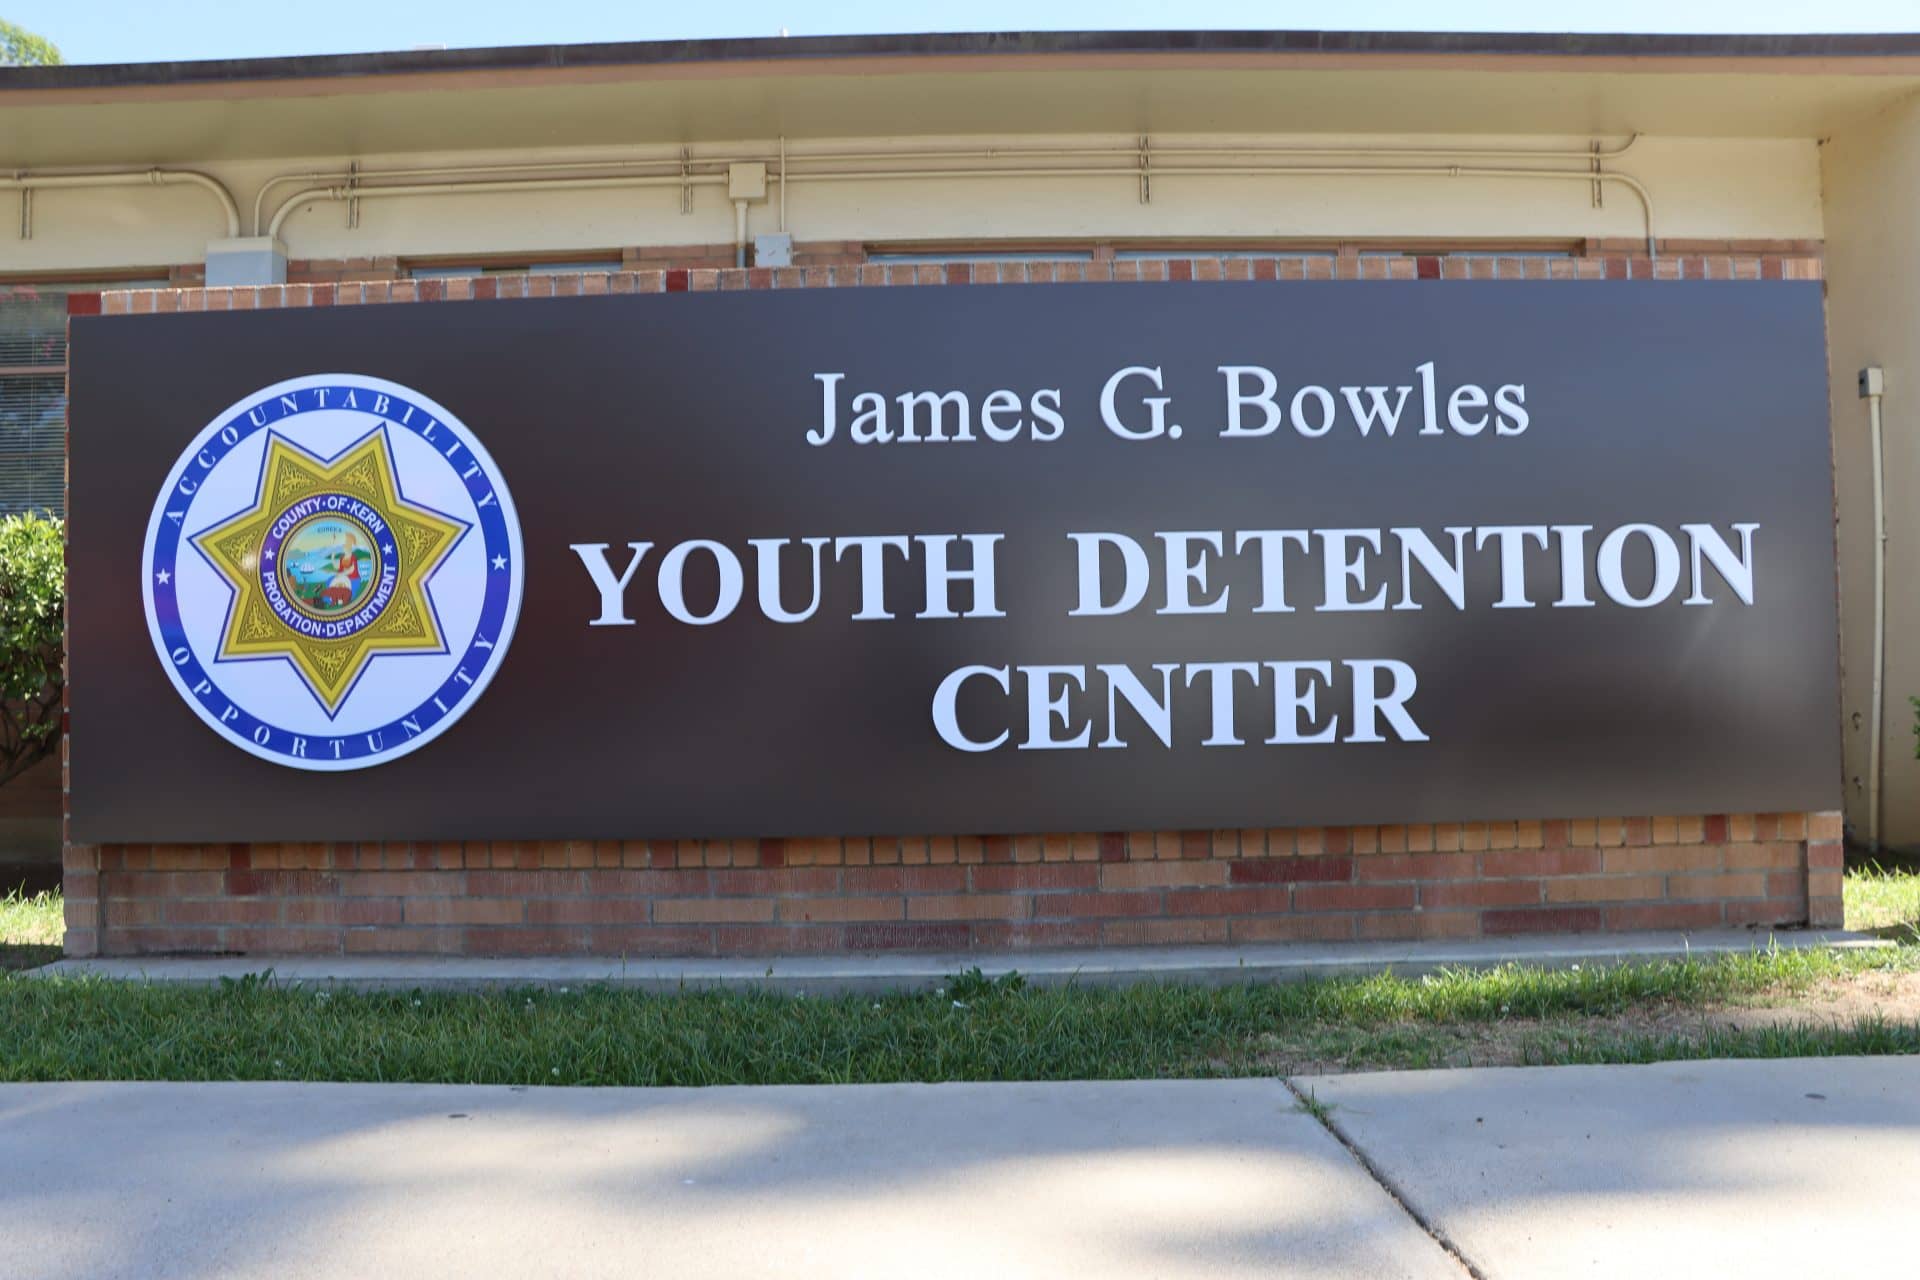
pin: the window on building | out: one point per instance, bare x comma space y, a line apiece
33, 399
463, 270
1301, 256
33, 392
940, 257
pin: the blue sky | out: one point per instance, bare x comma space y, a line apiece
169, 30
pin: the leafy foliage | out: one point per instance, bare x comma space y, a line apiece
19, 48
974, 984
33, 586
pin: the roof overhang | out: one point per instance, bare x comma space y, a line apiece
1098, 82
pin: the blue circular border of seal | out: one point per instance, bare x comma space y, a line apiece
500, 530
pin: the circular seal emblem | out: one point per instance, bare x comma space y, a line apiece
333, 572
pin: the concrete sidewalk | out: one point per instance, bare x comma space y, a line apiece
1801, 1167
1178, 1179
1795, 1167
1103, 966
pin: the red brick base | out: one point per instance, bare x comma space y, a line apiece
988, 893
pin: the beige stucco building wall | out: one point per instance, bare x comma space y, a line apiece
1701, 188
1871, 177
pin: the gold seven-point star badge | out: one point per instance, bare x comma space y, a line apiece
329, 567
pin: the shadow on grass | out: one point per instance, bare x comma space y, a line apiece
1906, 933
19, 955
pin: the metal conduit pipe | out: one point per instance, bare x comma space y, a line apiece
784, 156
311, 195
302, 198
129, 178
1870, 383
1207, 149
429, 171
1270, 171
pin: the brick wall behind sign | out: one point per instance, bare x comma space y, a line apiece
958, 893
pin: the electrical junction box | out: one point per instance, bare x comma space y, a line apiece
246, 260
747, 180
1873, 381
775, 250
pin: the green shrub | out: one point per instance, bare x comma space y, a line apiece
33, 588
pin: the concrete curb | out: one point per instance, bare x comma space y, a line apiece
830, 975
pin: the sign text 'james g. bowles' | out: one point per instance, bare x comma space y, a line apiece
1105, 557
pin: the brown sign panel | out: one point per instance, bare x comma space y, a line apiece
962, 560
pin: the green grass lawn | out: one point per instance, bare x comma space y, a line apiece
53, 1029
1765, 1004
1884, 896
30, 930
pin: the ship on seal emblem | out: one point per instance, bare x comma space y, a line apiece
333, 572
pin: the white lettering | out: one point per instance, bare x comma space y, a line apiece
940, 577
1044, 707
1157, 715
1273, 563
1513, 559
1368, 705
873, 582
1133, 558
1320, 396
1238, 399
673, 568
768, 552
1156, 405
829, 409
1376, 410
1666, 565
1187, 572
1219, 676
1737, 571
1341, 569
1293, 697
612, 590
946, 721
1449, 575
